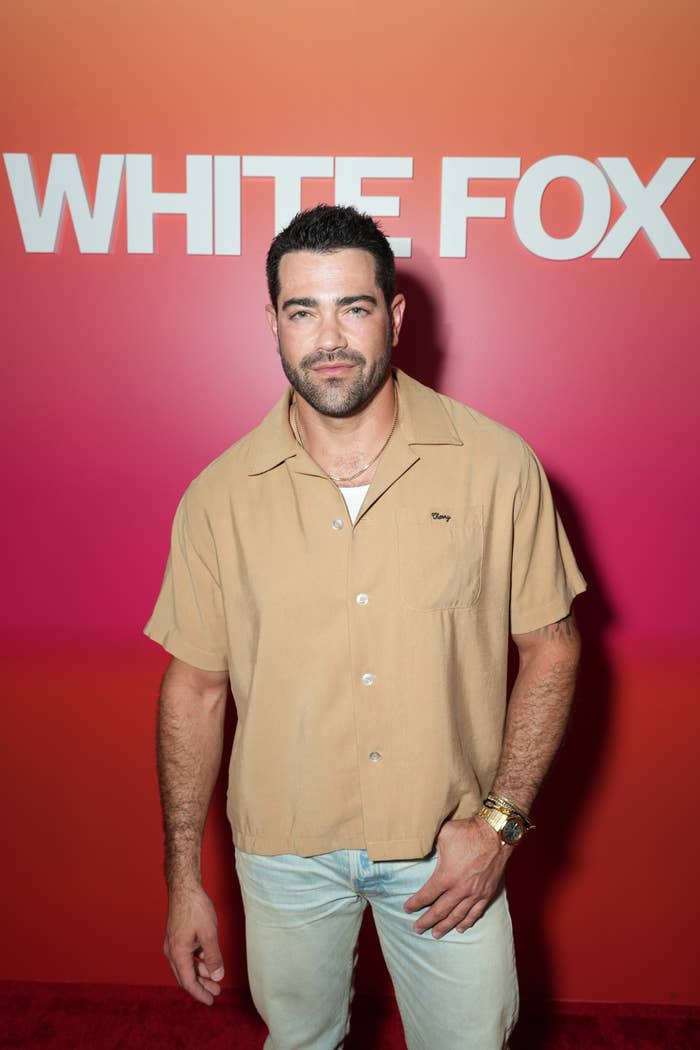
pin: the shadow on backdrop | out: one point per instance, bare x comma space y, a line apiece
551, 856
419, 352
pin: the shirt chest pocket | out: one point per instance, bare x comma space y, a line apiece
440, 556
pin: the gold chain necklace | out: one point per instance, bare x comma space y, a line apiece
337, 479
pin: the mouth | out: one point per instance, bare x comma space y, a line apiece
333, 369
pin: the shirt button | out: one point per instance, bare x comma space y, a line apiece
368, 679
374, 756
361, 599
337, 524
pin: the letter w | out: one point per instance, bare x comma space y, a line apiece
40, 226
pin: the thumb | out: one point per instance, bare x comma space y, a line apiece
427, 894
211, 956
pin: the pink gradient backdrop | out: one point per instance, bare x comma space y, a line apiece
123, 375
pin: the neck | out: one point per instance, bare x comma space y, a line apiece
342, 445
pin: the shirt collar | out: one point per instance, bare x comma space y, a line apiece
423, 420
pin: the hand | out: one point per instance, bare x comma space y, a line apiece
470, 864
192, 946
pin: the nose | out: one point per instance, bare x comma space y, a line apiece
330, 335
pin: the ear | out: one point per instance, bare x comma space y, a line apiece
271, 318
396, 312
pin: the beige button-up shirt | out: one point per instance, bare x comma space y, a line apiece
367, 661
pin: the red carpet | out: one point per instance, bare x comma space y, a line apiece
105, 1017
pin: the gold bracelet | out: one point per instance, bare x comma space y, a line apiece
504, 804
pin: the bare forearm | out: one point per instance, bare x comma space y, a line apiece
538, 710
471, 857
190, 736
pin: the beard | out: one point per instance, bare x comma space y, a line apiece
338, 396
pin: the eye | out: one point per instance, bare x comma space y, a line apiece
358, 311
298, 314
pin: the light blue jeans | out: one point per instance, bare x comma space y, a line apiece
303, 918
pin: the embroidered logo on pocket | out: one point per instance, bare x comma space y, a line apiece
440, 555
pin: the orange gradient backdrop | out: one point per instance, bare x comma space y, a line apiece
124, 374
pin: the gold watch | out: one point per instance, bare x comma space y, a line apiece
505, 818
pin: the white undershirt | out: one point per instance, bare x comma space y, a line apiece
353, 499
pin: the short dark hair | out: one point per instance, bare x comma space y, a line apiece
330, 228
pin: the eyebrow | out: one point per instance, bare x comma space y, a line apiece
344, 300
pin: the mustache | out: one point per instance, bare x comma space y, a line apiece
328, 357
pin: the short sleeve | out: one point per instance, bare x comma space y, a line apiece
544, 576
188, 619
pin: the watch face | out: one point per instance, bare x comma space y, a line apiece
512, 831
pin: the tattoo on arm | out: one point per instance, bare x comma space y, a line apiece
563, 630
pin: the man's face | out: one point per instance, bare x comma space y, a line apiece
334, 333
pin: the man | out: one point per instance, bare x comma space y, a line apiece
355, 566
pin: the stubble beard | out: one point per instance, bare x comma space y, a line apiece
338, 396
